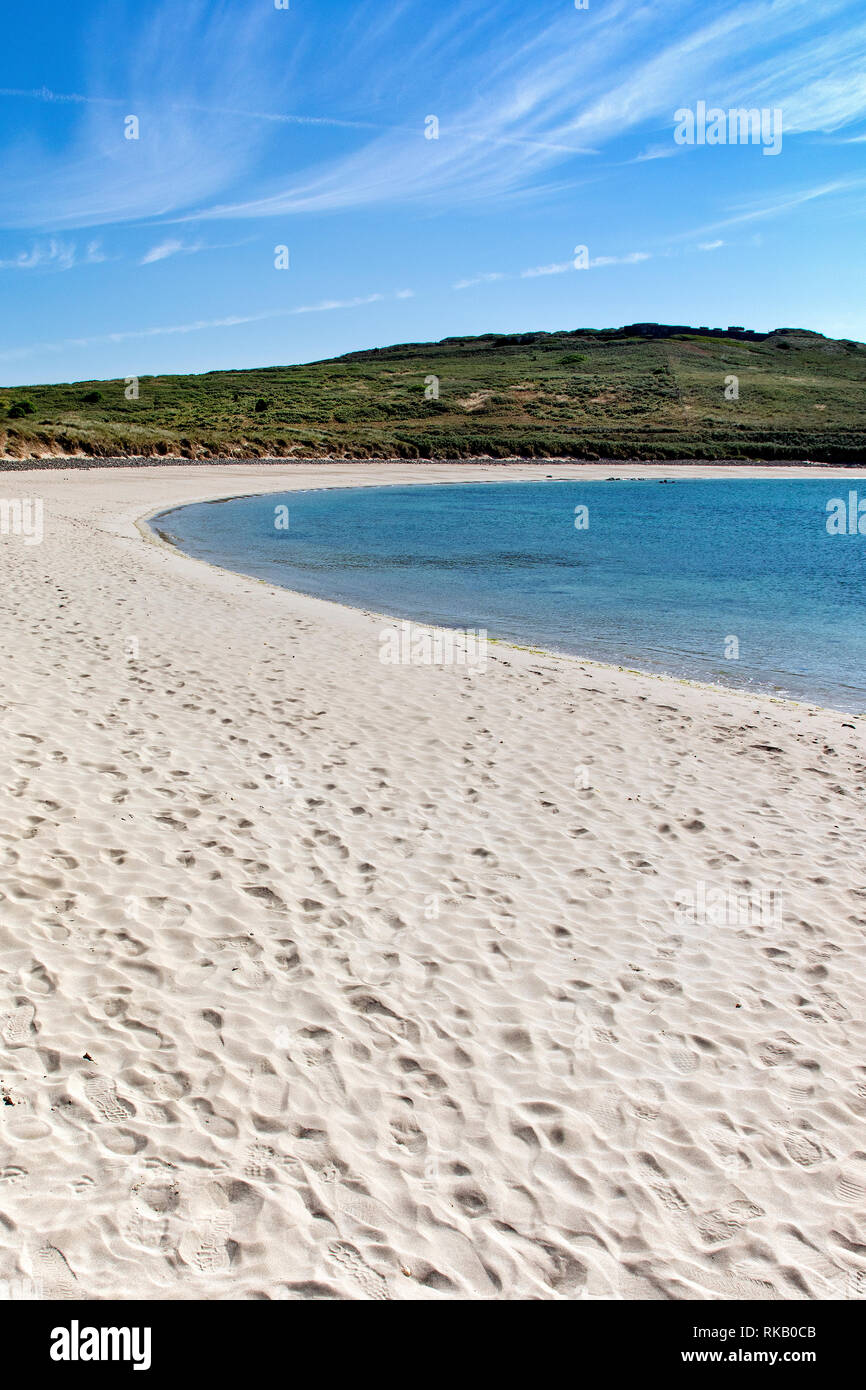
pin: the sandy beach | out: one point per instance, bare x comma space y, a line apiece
328, 979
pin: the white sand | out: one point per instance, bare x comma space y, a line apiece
245, 1056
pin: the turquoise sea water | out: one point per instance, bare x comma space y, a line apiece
661, 579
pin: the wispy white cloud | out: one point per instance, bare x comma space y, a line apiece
169, 248
518, 92
86, 173
710, 245
633, 258
780, 204
534, 271
199, 325
542, 97
556, 268
46, 94
482, 279
55, 255
325, 306
174, 246
60, 255
657, 152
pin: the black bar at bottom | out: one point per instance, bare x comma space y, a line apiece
225, 1339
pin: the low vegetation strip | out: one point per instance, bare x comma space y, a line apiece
648, 391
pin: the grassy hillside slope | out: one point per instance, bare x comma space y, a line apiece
646, 392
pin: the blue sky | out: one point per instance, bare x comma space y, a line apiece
261, 127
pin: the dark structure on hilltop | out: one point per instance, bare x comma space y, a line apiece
669, 330
555, 340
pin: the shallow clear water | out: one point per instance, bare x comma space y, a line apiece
662, 577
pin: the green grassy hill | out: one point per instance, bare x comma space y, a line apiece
644, 392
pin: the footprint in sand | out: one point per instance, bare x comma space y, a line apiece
52, 1272
139, 1230
205, 1250
17, 1026
373, 964
262, 1162
372, 1284
679, 1058
102, 1095
154, 1197
205, 1244
268, 1091
803, 1150
850, 1184
155, 1194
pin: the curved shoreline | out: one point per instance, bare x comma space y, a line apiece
150, 533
